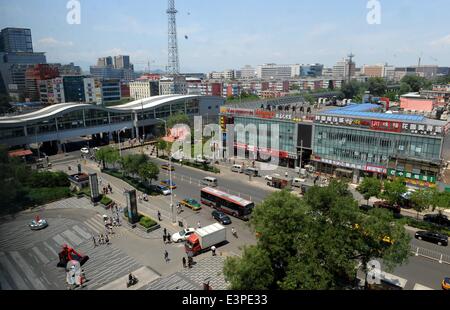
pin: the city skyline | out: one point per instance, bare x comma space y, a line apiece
294, 34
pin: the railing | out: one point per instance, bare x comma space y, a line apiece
430, 254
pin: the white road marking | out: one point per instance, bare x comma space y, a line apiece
420, 287
82, 232
72, 237
11, 269
41, 256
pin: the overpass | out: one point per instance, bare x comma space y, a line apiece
64, 121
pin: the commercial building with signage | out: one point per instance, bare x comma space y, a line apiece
294, 120
359, 140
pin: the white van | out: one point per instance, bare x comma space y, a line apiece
297, 182
237, 168
209, 181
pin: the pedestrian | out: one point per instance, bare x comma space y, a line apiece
165, 231
213, 249
164, 238
110, 188
199, 225
184, 262
166, 256
107, 239
100, 181
100, 238
159, 216
169, 239
95, 241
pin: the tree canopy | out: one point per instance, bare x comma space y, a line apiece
107, 155
370, 187
393, 191
316, 242
377, 86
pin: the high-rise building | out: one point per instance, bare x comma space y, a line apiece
312, 70
105, 62
69, 69
122, 62
106, 72
248, 72
13, 40
143, 89
110, 90
36, 73
13, 67
74, 88
52, 91
175, 85
275, 72
344, 69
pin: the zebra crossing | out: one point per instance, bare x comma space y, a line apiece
28, 259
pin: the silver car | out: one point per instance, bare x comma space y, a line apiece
38, 225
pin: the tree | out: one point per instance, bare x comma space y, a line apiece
393, 95
370, 187
177, 119
421, 200
253, 270
404, 88
377, 86
316, 242
131, 164
148, 172
439, 200
352, 88
160, 145
309, 98
416, 83
393, 191
107, 155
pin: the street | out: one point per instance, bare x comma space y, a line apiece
422, 271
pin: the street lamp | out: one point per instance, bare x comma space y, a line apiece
143, 125
172, 209
118, 134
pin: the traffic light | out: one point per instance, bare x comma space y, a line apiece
223, 123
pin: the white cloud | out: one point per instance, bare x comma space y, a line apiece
441, 41
52, 42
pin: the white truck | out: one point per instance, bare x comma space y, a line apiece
204, 238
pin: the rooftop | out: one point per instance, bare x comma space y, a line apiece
371, 111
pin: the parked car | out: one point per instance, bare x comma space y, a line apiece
446, 284
182, 235
221, 217
164, 190
168, 167
438, 219
366, 208
432, 237
385, 205
237, 169
191, 204
168, 184
84, 150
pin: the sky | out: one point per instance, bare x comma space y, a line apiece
230, 34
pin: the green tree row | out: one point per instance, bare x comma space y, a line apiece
315, 243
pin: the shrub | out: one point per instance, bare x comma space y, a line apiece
136, 183
39, 196
47, 179
427, 226
106, 200
147, 222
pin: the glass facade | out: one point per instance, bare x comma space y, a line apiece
372, 147
286, 140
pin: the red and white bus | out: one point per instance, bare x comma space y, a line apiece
229, 204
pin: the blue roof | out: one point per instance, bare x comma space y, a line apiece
364, 110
